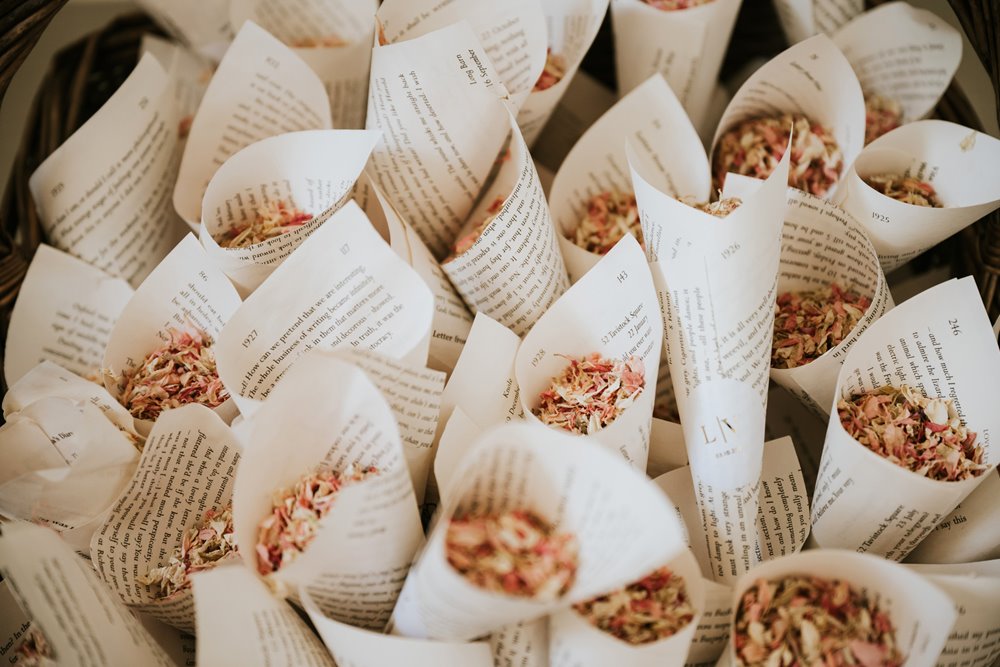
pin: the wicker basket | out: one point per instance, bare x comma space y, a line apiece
84, 75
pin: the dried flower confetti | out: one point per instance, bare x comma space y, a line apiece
203, 546
755, 147
514, 552
273, 219
34, 651
328, 41
676, 5
904, 188
653, 608
809, 323
555, 70
922, 434
804, 620
719, 209
184, 126
591, 393
179, 372
610, 216
882, 114
296, 513
467, 240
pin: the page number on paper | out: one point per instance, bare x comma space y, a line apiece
955, 330
272, 62
143, 103
623, 276
59, 187
880, 217
249, 339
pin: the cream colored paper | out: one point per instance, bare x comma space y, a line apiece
525, 644
15, 625
64, 466
717, 286
343, 286
179, 646
82, 621
356, 647
313, 171
921, 614
103, 195
902, 53
241, 623
512, 33
941, 343
652, 120
786, 415
514, 271
438, 103
974, 589
202, 26
580, 487
955, 160
326, 411
259, 90
187, 468
814, 79
457, 438
185, 293
572, 26
801, 19
343, 68
970, 533
612, 311
574, 642
63, 314
452, 319
686, 46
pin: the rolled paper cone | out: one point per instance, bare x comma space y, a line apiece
152, 520
310, 173
801, 19
186, 293
954, 160
921, 614
573, 640
652, 119
811, 79
611, 312
686, 46
939, 343
255, 62
337, 418
437, 601
572, 27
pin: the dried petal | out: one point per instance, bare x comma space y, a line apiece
271, 220
610, 216
180, 372
719, 209
648, 610
555, 70
755, 147
467, 240
803, 620
203, 546
809, 323
296, 512
591, 393
904, 188
676, 5
34, 651
921, 434
882, 114
514, 552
